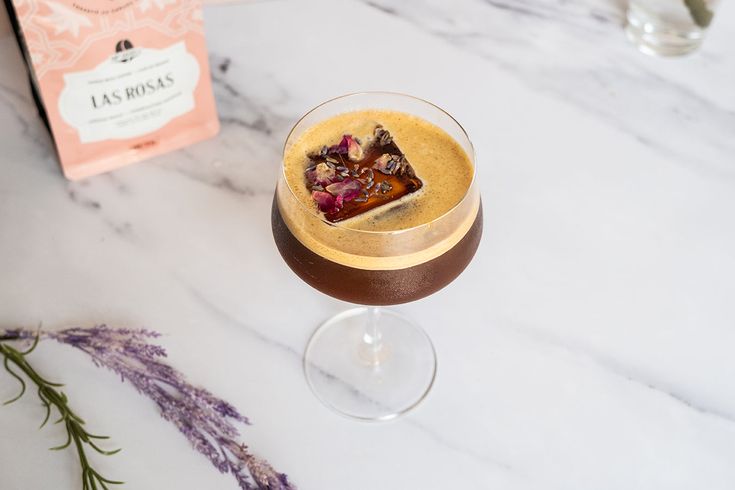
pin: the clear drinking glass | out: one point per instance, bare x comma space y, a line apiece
372, 363
668, 27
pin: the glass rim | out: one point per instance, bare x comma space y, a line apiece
388, 93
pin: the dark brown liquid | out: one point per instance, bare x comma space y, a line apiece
374, 287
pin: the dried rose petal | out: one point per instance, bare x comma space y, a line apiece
381, 163
348, 189
327, 202
324, 200
348, 146
322, 174
342, 147
354, 150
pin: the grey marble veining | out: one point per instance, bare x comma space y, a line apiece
543, 43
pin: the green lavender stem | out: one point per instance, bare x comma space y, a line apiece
50, 397
700, 13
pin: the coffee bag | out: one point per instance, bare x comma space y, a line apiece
116, 81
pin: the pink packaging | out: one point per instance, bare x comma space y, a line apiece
117, 81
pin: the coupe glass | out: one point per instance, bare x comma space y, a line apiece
372, 363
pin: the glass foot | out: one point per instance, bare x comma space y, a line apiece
370, 364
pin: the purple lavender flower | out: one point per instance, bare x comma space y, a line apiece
205, 420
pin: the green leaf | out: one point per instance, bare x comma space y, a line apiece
94, 436
22, 383
45, 419
102, 451
65, 445
35, 343
106, 480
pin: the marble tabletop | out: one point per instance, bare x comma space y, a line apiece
590, 345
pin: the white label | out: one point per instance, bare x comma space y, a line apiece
131, 93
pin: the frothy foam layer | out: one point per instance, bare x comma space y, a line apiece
385, 237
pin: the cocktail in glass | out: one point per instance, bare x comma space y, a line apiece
369, 362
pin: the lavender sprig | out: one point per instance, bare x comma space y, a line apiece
205, 420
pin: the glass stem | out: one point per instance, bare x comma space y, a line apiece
372, 340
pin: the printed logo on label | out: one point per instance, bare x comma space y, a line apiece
133, 92
124, 51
